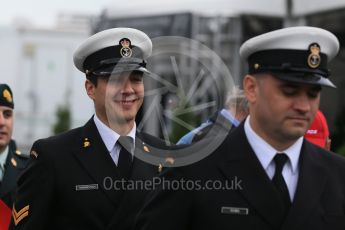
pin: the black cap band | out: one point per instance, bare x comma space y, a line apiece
111, 56
286, 61
105, 65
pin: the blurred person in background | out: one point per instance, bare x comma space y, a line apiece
12, 161
226, 120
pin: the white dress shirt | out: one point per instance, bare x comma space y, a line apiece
3, 157
110, 138
265, 153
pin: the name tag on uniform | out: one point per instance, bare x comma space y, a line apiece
86, 187
235, 210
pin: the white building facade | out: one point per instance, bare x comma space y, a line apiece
38, 66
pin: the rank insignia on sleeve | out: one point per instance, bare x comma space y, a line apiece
20, 215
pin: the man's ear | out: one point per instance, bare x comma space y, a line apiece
90, 89
250, 87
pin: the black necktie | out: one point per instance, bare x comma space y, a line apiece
125, 157
279, 182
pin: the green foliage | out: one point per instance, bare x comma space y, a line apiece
63, 120
178, 128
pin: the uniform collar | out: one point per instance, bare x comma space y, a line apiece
108, 135
265, 152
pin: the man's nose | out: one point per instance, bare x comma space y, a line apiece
127, 86
302, 103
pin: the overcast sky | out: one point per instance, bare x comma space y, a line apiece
43, 12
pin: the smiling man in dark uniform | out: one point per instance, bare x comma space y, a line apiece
70, 180
284, 181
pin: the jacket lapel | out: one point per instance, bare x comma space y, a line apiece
9, 180
96, 160
311, 183
257, 188
141, 171
13, 169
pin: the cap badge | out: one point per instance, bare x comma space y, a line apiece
314, 59
125, 51
7, 95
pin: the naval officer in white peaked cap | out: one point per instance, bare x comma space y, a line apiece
78, 179
280, 180
296, 54
100, 53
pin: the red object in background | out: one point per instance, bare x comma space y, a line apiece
5, 216
318, 131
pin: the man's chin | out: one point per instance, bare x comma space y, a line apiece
3, 143
295, 133
122, 119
